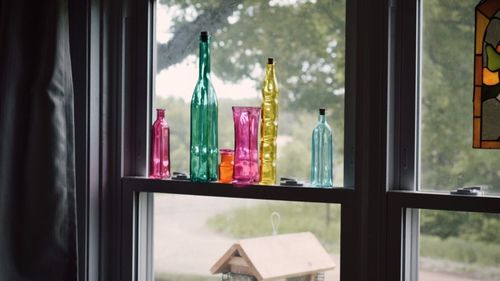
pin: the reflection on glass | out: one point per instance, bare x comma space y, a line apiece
459, 246
244, 35
193, 232
448, 160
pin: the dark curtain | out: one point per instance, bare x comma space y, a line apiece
37, 176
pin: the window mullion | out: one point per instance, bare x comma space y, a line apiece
405, 94
404, 122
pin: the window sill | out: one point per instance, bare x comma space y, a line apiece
266, 192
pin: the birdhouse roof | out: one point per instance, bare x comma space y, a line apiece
277, 257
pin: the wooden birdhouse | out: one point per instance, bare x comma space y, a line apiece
290, 257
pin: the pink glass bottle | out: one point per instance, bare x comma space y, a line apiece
160, 147
246, 156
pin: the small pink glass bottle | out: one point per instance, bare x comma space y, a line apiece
160, 147
246, 156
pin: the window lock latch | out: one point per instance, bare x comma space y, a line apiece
470, 190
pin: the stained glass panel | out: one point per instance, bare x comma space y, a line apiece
487, 75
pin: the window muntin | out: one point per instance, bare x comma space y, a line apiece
447, 158
309, 77
192, 232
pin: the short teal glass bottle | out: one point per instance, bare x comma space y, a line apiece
204, 154
322, 153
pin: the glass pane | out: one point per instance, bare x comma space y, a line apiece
459, 246
447, 89
309, 68
191, 233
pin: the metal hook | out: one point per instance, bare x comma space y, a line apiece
275, 222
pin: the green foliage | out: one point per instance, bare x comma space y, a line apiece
310, 56
447, 158
323, 220
447, 86
474, 227
460, 250
308, 42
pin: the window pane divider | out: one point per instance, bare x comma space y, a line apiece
215, 189
444, 201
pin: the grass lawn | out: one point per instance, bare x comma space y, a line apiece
459, 250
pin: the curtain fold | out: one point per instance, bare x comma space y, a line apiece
37, 176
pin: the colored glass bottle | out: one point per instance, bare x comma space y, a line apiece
246, 134
160, 147
269, 125
204, 152
226, 165
322, 153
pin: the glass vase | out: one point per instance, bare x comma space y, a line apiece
160, 147
322, 153
204, 152
246, 156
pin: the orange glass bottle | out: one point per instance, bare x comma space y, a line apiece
226, 165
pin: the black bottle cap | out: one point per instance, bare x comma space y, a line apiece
270, 60
321, 111
204, 36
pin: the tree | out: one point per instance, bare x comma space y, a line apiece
308, 45
307, 38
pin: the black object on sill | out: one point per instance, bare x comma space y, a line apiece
180, 176
471, 191
290, 182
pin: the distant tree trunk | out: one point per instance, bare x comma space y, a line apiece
185, 39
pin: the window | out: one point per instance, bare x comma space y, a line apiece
459, 246
447, 158
385, 70
191, 233
423, 224
244, 34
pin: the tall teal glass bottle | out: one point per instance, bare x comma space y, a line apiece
204, 158
322, 153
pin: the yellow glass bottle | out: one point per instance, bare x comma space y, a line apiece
269, 125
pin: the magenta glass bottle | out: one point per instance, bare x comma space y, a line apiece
160, 147
246, 156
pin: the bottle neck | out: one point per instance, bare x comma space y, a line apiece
270, 71
321, 118
160, 114
204, 64
229, 157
